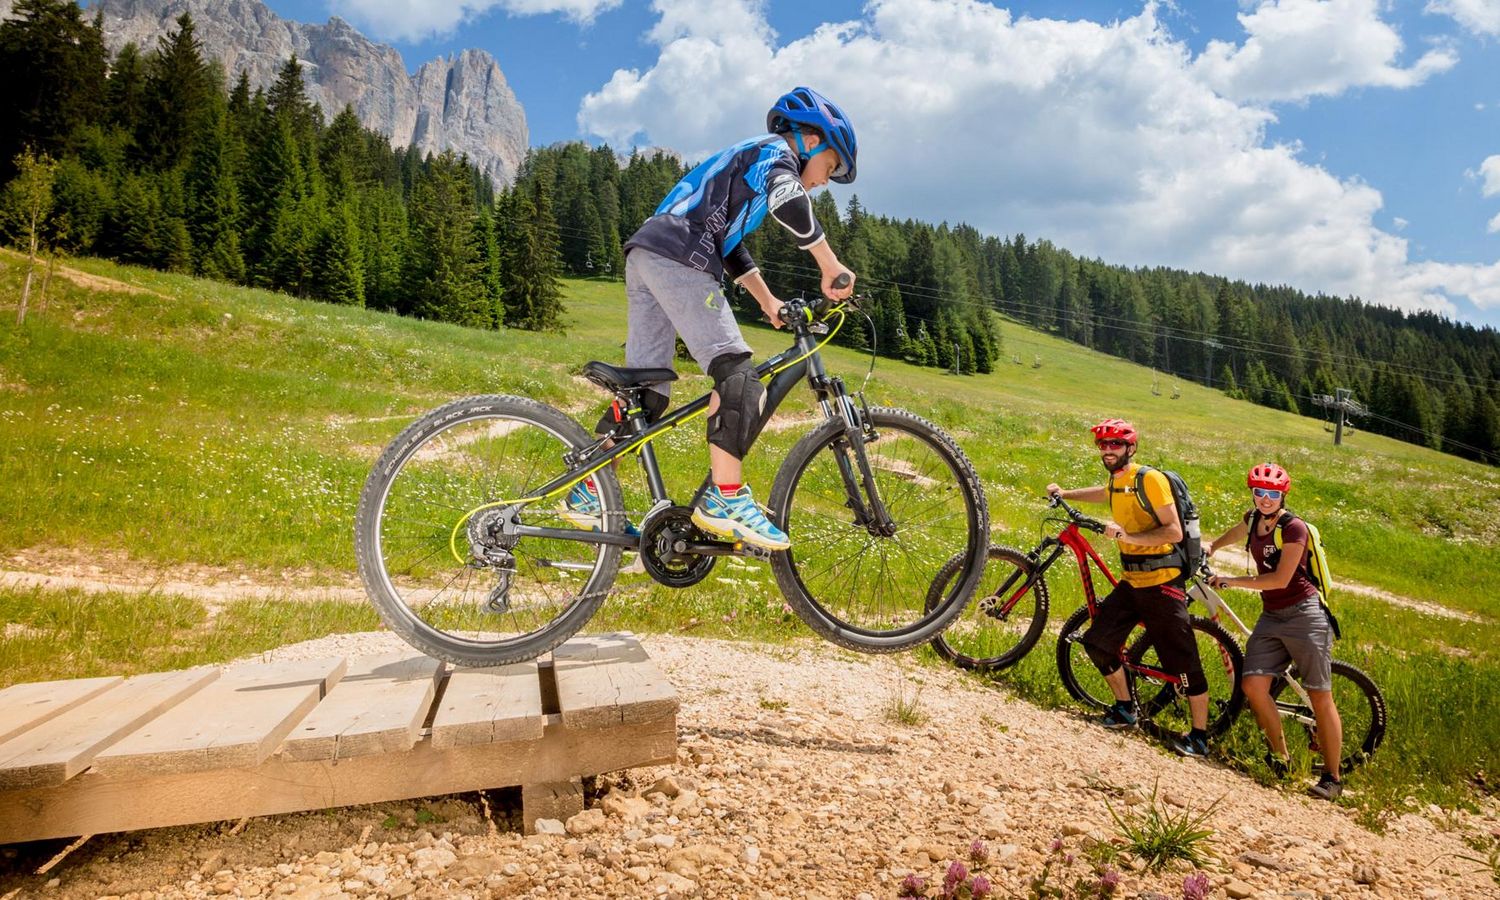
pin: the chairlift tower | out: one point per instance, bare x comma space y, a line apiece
1343, 405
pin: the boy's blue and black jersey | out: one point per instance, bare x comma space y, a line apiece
704, 219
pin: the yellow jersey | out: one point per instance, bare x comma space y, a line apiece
1126, 509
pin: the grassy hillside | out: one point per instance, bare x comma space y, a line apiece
184, 421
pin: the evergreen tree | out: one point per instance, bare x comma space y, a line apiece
532, 294
176, 98
52, 67
125, 92
214, 203
340, 260
444, 277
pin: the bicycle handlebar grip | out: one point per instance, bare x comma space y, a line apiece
842, 281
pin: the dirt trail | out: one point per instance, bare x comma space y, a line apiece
794, 779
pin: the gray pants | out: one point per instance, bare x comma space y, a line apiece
1301, 634
668, 298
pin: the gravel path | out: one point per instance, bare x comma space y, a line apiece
794, 780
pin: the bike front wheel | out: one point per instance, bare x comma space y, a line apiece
436, 540
993, 633
1361, 708
864, 584
1163, 705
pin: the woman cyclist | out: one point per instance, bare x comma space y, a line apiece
1294, 625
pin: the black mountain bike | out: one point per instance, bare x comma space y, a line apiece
464, 552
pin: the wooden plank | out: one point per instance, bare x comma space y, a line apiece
237, 721
25, 706
560, 800
97, 804
482, 706
608, 679
377, 707
60, 749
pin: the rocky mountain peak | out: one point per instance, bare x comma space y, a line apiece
462, 103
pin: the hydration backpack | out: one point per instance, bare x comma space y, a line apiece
1187, 554
1316, 559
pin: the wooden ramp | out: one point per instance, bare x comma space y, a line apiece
98, 755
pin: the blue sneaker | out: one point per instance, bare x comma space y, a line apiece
1121, 715
737, 517
581, 508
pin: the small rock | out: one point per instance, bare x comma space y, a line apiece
630, 809
666, 785
586, 822
639, 873
1263, 861
399, 889
1367, 874
676, 884
1238, 890
547, 826
1073, 828
751, 856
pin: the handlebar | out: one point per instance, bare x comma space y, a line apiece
806, 312
1079, 519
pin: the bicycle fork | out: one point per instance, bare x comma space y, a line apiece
863, 495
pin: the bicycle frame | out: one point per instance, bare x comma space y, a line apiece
784, 370
1069, 539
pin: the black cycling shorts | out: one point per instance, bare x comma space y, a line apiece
1163, 609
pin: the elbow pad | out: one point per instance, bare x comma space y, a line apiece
788, 203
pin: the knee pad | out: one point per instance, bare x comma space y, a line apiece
1104, 661
742, 404
651, 402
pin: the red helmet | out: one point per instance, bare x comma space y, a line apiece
1115, 430
1270, 476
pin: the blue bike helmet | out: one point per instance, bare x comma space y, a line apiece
804, 107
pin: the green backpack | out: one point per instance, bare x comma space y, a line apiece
1317, 559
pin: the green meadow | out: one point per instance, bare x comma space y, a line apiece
187, 422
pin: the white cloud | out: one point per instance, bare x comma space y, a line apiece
1479, 16
1495, 224
1103, 138
1489, 175
1400, 223
1296, 49
416, 20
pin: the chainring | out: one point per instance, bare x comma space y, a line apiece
663, 529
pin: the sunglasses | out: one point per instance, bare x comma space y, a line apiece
1111, 445
1266, 493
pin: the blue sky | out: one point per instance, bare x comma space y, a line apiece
1336, 145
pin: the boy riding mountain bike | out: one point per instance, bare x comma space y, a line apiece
1148, 530
674, 266
1294, 625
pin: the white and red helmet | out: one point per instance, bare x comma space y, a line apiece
1268, 476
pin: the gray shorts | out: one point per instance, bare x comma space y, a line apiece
1301, 634
668, 298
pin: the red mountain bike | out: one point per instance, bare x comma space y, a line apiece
1009, 614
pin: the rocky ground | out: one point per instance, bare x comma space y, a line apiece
802, 772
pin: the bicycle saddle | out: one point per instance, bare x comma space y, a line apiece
615, 378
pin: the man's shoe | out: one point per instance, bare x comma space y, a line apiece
582, 509
737, 517
1191, 744
1327, 788
1121, 715
1279, 766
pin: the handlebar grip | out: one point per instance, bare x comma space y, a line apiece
842, 281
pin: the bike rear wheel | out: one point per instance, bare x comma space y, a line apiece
854, 586
1162, 705
435, 542
987, 637
1080, 678
1361, 708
